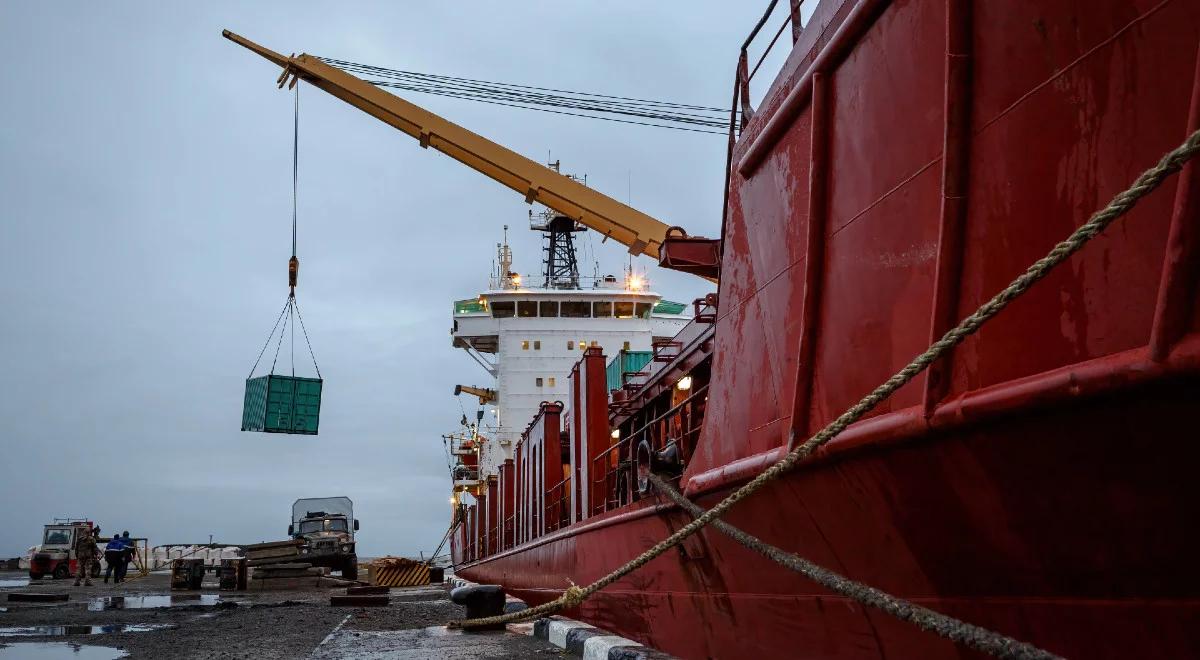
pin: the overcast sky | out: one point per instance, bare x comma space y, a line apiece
145, 204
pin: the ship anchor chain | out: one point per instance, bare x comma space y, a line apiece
978, 638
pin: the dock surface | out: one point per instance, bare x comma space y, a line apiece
143, 618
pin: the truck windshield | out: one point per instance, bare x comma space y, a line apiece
312, 526
57, 536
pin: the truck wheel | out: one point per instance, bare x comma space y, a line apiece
350, 569
62, 571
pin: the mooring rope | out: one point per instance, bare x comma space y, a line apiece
1171, 163
980, 639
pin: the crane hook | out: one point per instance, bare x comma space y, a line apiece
293, 272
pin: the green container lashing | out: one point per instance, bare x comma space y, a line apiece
282, 404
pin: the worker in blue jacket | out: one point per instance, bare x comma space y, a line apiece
114, 557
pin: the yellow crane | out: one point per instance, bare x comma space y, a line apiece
641, 233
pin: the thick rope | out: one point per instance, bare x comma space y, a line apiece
1120, 204
980, 639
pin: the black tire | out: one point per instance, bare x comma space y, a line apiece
62, 571
350, 569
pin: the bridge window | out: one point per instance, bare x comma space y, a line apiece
623, 310
539, 382
549, 308
575, 310
527, 309
537, 345
570, 345
552, 381
525, 345
643, 310
503, 310
602, 310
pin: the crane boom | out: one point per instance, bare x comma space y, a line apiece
641, 233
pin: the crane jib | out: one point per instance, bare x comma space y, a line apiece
639, 232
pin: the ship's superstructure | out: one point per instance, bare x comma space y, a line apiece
527, 332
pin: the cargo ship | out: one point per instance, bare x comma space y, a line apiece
910, 158
913, 156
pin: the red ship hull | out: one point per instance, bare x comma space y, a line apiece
911, 158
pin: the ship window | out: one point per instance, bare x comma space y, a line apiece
643, 310
527, 309
525, 345
539, 382
575, 310
602, 310
623, 310
552, 381
582, 345
626, 346
570, 345
549, 308
502, 310
537, 345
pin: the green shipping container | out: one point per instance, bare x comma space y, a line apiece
282, 404
626, 362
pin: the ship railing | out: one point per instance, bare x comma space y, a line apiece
558, 505
740, 110
610, 464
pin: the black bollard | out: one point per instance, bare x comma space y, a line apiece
481, 600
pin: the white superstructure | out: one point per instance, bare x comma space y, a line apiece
528, 339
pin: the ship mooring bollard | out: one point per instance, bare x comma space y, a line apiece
481, 600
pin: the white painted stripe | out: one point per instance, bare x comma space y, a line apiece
559, 628
332, 633
596, 648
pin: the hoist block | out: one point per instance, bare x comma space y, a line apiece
282, 404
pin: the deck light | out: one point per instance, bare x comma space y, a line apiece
616, 434
684, 384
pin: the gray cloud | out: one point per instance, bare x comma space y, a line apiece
145, 172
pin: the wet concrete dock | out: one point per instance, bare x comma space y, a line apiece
144, 619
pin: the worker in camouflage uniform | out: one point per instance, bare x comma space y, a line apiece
86, 553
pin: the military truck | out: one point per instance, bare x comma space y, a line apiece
327, 526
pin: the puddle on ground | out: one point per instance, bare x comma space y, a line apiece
143, 602
14, 583
60, 631
58, 651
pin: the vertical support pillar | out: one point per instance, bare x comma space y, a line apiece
507, 500
481, 523
956, 160
1181, 264
814, 258
519, 494
492, 531
593, 395
579, 470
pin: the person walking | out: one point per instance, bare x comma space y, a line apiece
126, 555
114, 555
86, 552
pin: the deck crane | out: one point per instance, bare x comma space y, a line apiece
638, 231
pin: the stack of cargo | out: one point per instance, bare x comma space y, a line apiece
279, 565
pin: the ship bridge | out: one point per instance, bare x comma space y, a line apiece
528, 338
